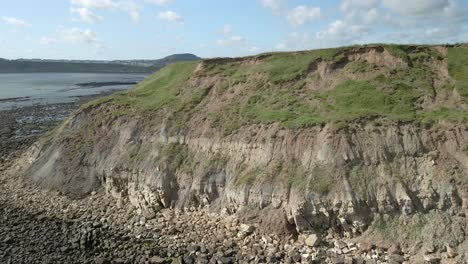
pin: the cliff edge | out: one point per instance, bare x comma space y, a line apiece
351, 141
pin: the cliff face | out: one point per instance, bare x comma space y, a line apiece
320, 161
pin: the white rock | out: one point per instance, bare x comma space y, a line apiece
313, 240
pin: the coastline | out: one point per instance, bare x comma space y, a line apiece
22, 126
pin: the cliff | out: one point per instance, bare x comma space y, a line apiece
315, 141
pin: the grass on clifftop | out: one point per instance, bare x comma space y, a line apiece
278, 67
161, 89
275, 88
458, 68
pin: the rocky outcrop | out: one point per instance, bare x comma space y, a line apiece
41, 226
319, 177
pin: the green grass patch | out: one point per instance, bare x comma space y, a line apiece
444, 113
247, 176
165, 88
174, 155
394, 230
359, 67
399, 51
357, 99
458, 68
96, 102
320, 179
272, 88
277, 67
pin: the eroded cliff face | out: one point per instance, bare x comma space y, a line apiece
310, 178
318, 177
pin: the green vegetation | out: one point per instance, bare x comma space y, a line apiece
360, 67
162, 89
399, 51
276, 88
392, 228
247, 176
359, 179
458, 68
277, 67
357, 99
96, 102
174, 155
320, 179
138, 152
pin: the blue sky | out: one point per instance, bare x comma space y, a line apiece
150, 29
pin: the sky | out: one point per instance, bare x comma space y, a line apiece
151, 29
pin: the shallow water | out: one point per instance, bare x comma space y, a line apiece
47, 88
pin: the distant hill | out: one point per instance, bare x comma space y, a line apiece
115, 66
160, 62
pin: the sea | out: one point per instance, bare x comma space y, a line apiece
27, 89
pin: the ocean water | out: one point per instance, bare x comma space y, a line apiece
46, 88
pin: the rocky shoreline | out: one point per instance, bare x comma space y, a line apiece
22, 126
102, 84
39, 226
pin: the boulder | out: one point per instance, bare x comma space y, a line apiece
313, 240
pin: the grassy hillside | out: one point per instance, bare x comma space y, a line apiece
300, 89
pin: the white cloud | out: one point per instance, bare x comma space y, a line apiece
274, 5
95, 3
16, 22
129, 7
337, 33
340, 32
231, 41
254, 49
436, 11
438, 33
419, 15
433, 35
159, 2
77, 35
370, 16
227, 29
418, 7
297, 41
171, 16
85, 14
47, 41
303, 14
135, 15
360, 11
351, 5
281, 46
